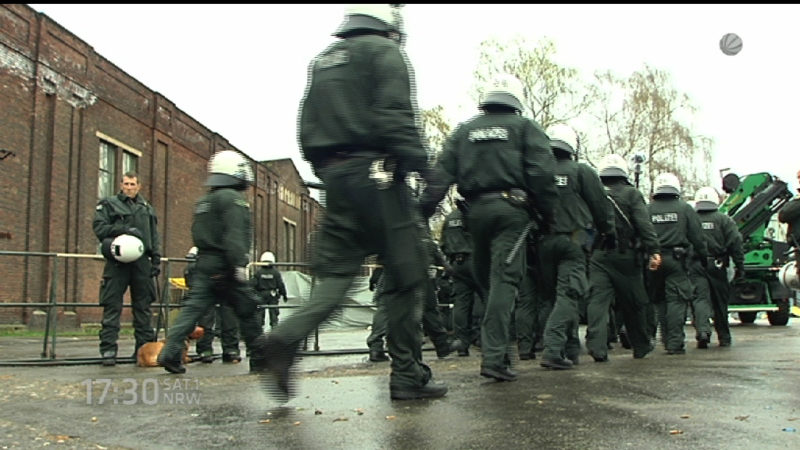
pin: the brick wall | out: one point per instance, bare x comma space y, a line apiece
59, 99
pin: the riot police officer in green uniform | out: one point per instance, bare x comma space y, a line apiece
457, 247
790, 214
270, 287
724, 243
222, 232
582, 206
127, 213
680, 235
502, 164
616, 276
358, 131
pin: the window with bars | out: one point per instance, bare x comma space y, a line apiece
112, 157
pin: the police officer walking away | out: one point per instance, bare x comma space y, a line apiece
724, 243
127, 213
358, 131
616, 276
221, 230
680, 234
270, 288
790, 214
581, 206
502, 163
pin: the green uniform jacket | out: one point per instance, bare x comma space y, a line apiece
222, 226
582, 202
114, 215
455, 237
267, 279
496, 152
790, 214
722, 236
677, 225
637, 225
359, 97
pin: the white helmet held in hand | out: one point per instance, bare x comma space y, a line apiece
706, 199
613, 166
563, 137
124, 248
667, 183
192, 253
505, 89
229, 168
267, 257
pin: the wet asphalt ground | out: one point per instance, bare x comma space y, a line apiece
742, 397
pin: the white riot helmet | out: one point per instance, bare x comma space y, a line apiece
706, 199
370, 16
124, 248
267, 257
505, 89
667, 183
192, 253
563, 137
229, 168
613, 166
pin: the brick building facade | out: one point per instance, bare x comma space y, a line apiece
74, 123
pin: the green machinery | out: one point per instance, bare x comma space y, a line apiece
752, 203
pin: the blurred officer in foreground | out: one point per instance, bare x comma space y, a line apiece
790, 214
127, 213
222, 231
680, 235
358, 131
503, 165
616, 276
724, 244
581, 206
269, 287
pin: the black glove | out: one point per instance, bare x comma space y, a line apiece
135, 232
738, 273
155, 265
285, 299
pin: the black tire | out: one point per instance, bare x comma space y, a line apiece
781, 316
747, 316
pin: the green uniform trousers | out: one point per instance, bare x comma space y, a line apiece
716, 288
671, 291
116, 279
496, 225
207, 290
361, 220
562, 265
701, 301
616, 279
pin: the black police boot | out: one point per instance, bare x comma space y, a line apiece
170, 366
431, 389
556, 363
207, 357
109, 358
231, 358
498, 373
272, 359
378, 356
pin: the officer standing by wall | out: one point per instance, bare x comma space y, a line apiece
581, 206
222, 232
680, 235
502, 163
127, 213
724, 243
616, 276
457, 248
358, 131
270, 288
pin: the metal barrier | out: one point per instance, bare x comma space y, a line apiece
164, 306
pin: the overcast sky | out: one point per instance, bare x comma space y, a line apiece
240, 70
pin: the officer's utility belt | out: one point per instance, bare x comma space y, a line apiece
338, 157
680, 253
515, 196
273, 292
719, 261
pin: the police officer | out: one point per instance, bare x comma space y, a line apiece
127, 213
790, 214
582, 206
358, 131
457, 248
501, 162
433, 324
270, 288
377, 352
222, 232
616, 276
724, 243
680, 235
